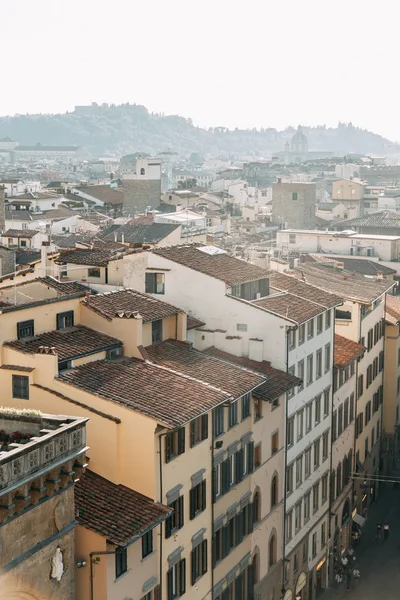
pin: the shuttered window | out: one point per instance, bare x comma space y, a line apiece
198, 499
176, 520
198, 430
199, 561
174, 444
176, 580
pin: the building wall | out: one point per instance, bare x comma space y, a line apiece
346, 189
391, 403
139, 194
7, 261
87, 541
293, 205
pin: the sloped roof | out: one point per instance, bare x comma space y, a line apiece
104, 193
290, 307
392, 315
220, 266
363, 266
192, 322
20, 233
383, 218
288, 283
116, 512
137, 233
98, 258
346, 351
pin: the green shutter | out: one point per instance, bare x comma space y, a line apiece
193, 558
182, 576
167, 448
204, 556
250, 456
204, 427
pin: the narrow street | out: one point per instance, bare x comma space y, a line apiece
377, 561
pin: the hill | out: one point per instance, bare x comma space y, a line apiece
126, 128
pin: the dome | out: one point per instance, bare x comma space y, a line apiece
299, 142
299, 136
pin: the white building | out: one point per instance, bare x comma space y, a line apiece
194, 225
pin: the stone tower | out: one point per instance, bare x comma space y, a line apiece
142, 188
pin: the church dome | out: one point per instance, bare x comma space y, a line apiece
299, 136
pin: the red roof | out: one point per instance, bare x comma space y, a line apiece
346, 351
392, 314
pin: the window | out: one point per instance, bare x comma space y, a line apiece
257, 456
297, 517
290, 432
23, 243
147, 544
289, 525
292, 238
289, 479
176, 580
346, 413
20, 387
307, 505
317, 410
274, 491
155, 283
302, 334
295, 563
113, 353
338, 479
218, 416
319, 324
198, 430
233, 414
318, 366
307, 462
360, 386
257, 507
300, 424
314, 545
121, 560
64, 365
156, 331
334, 425
310, 368
274, 442
272, 552
142, 171
359, 424
326, 402
245, 406
340, 420
175, 520
325, 445
292, 338
300, 374
308, 417
257, 409
317, 446
310, 329
299, 470
94, 272
327, 319
367, 412
372, 438
25, 329
323, 535
199, 561
65, 319
174, 444
315, 497
291, 371
198, 499
241, 327
327, 357
294, 196
324, 488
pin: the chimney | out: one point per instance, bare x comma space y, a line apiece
2, 210
123, 238
379, 275
44, 266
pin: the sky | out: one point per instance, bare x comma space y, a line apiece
258, 63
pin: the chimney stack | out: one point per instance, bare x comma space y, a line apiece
44, 260
379, 275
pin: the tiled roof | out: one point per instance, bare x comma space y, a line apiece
220, 266
104, 193
35, 196
65, 288
363, 266
67, 343
392, 315
98, 258
18, 215
192, 322
290, 307
346, 351
137, 233
179, 356
288, 283
20, 233
116, 512
384, 218
26, 256
159, 393
278, 382
69, 240
344, 284
40, 148
128, 303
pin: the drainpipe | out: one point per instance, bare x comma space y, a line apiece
330, 554
212, 504
161, 500
95, 561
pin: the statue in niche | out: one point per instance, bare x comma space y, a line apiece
57, 569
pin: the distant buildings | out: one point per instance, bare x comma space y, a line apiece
142, 188
293, 205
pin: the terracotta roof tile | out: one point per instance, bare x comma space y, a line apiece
162, 394
68, 343
290, 307
139, 233
65, 288
278, 382
362, 266
233, 379
392, 314
288, 283
116, 512
192, 322
96, 257
346, 351
20, 233
128, 303
220, 266
104, 193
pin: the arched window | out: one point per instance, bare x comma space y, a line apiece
338, 479
272, 550
255, 566
257, 506
142, 172
274, 491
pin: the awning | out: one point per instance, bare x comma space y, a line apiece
301, 582
359, 520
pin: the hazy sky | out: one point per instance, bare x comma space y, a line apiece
253, 63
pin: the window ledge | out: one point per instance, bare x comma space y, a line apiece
148, 556
117, 579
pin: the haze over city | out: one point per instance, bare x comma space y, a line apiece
258, 64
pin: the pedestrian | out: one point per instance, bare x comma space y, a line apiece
348, 579
378, 530
385, 530
344, 561
356, 575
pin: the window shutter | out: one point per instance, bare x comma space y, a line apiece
225, 476
250, 456
214, 484
193, 558
180, 512
250, 518
239, 526
238, 586
167, 448
204, 427
250, 583
170, 576
182, 576
239, 466
204, 556
60, 321
225, 594
225, 541
168, 527
181, 440
203, 494
192, 493
214, 551
192, 434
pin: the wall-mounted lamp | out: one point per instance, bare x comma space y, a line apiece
81, 563
218, 444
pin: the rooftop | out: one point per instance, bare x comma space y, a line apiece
352, 235
384, 218
137, 233
162, 394
129, 303
69, 343
218, 265
290, 307
233, 379
193, 323
19, 233
346, 351
362, 266
95, 257
115, 511
392, 315
42, 289
287, 283
104, 193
